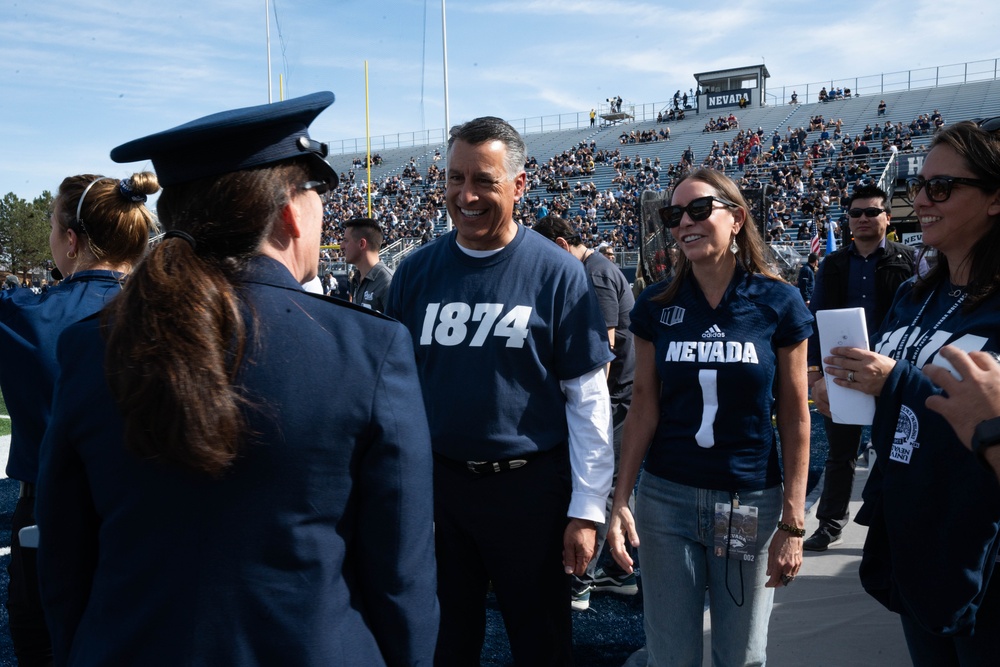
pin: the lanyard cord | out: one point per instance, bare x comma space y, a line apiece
734, 502
925, 338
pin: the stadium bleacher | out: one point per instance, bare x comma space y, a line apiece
954, 102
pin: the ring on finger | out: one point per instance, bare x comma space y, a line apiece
850, 376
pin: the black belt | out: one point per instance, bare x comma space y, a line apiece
486, 467
27, 490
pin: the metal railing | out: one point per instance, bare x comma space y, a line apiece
397, 251
534, 125
889, 82
387, 141
887, 180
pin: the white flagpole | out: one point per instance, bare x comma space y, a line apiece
447, 120
267, 23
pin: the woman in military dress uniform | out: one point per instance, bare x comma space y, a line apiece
239, 472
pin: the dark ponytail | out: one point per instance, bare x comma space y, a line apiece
177, 333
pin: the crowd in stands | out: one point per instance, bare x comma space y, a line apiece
644, 136
833, 94
810, 168
407, 206
584, 205
670, 116
722, 123
361, 163
813, 168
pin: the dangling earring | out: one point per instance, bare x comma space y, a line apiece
71, 254
733, 247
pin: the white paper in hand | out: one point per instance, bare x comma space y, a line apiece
845, 327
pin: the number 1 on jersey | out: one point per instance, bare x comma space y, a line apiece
709, 381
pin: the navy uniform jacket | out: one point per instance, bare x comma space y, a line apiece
30, 325
314, 549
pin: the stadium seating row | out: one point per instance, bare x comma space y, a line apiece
412, 210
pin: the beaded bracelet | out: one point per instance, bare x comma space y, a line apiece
796, 532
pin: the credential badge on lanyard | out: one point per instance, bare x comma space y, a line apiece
736, 530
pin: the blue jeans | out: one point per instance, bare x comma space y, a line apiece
676, 529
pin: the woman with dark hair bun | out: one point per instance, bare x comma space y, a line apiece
100, 227
239, 471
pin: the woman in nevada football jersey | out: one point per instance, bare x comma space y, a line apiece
931, 509
718, 350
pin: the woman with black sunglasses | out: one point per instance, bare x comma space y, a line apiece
100, 228
714, 509
932, 511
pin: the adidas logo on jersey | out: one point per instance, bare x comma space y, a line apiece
713, 332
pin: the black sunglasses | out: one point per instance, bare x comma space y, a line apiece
939, 187
870, 212
319, 187
697, 209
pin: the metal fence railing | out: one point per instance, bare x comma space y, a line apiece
888, 82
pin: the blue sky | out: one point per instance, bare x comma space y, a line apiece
79, 77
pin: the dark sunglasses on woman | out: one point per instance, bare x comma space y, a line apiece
697, 209
319, 187
939, 187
